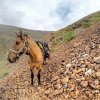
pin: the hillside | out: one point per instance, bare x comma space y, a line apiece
8, 33
72, 73
69, 32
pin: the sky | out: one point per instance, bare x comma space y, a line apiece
45, 14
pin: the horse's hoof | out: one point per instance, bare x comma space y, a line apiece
44, 63
32, 84
39, 84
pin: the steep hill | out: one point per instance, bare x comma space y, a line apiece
69, 32
72, 73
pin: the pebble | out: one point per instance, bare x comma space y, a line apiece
84, 83
88, 72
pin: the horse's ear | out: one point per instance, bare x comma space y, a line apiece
17, 34
20, 33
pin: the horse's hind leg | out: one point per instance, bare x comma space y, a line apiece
32, 77
39, 67
39, 77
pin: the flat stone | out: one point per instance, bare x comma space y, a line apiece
47, 92
55, 78
84, 83
58, 86
72, 87
93, 45
65, 80
77, 44
85, 56
88, 72
57, 92
97, 74
65, 85
68, 65
97, 60
94, 86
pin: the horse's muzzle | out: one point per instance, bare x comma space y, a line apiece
11, 61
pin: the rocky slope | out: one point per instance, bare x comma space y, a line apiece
67, 33
72, 73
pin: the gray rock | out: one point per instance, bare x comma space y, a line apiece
65, 86
88, 72
97, 60
84, 83
57, 92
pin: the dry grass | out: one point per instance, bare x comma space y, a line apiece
4, 68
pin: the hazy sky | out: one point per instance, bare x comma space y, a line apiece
45, 14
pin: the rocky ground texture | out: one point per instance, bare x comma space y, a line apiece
72, 73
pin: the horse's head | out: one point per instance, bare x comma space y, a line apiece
18, 47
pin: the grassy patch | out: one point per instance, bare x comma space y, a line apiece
91, 20
4, 68
96, 18
85, 24
68, 36
3, 56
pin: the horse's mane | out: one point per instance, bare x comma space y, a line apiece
35, 50
31, 40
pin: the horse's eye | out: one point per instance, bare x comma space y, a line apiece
17, 43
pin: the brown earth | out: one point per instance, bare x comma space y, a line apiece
72, 73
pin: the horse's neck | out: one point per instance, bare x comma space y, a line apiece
31, 42
32, 47
34, 51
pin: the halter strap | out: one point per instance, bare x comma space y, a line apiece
20, 49
13, 51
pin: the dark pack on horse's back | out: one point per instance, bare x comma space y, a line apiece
45, 49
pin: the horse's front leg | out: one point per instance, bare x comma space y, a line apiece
32, 76
39, 77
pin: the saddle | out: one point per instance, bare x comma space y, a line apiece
44, 47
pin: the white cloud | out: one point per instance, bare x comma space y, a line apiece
45, 14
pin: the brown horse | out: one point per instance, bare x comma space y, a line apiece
25, 43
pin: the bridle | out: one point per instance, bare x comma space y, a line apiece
22, 50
